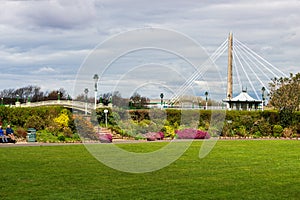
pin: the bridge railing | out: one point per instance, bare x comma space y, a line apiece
79, 105
56, 102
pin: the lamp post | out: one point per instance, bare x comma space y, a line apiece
206, 94
58, 96
105, 112
17, 101
110, 101
96, 78
263, 89
86, 91
161, 100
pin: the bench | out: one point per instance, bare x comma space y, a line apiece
9, 140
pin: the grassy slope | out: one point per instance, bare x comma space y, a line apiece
233, 170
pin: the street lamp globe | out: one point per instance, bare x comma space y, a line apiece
105, 112
96, 78
86, 91
206, 94
263, 89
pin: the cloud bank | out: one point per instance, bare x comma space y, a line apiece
54, 37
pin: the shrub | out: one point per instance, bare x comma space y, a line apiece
67, 132
241, 131
173, 116
287, 132
61, 138
277, 130
257, 134
21, 132
45, 136
151, 136
62, 120
286, 117
168, 131
190, 133
105, 138
85, 128
76, 137
35, 121
265, 128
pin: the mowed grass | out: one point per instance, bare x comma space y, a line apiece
240, 169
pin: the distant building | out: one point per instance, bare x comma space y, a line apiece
242, 102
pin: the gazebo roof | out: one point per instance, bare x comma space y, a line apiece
243, 97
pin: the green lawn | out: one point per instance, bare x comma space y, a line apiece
262, 169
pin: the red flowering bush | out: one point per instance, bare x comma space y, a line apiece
105, 138
191, 133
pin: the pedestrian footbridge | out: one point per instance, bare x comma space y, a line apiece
75, 105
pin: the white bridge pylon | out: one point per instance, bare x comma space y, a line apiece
249, 70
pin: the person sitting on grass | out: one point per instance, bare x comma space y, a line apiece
4, 139
10, 132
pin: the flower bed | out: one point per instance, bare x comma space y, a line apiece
152, 136
105, 138
190, 133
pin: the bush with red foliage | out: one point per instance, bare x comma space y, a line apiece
21, 132
191, 133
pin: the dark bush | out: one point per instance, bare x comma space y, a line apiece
61, 138
173, 116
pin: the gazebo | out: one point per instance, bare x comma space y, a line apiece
242, 102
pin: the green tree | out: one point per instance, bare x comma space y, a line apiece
137, 101
285, 93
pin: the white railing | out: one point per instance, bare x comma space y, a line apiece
78, 105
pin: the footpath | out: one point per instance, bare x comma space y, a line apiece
35, 144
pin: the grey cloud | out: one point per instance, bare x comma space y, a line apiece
59, 34
49, 14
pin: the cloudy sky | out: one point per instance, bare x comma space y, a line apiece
44, 43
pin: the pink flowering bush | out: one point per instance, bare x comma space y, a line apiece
191, 133
152, 136
105, 138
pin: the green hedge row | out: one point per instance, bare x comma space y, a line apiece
268, 123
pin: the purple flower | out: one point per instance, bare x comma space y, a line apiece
191, 133
105, 138
151, 136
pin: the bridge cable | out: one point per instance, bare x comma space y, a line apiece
252, 86
183, 88
245, 53
237, 73
250, 50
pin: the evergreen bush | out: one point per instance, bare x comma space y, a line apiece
277, 130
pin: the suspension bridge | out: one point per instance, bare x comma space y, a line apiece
245, 68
